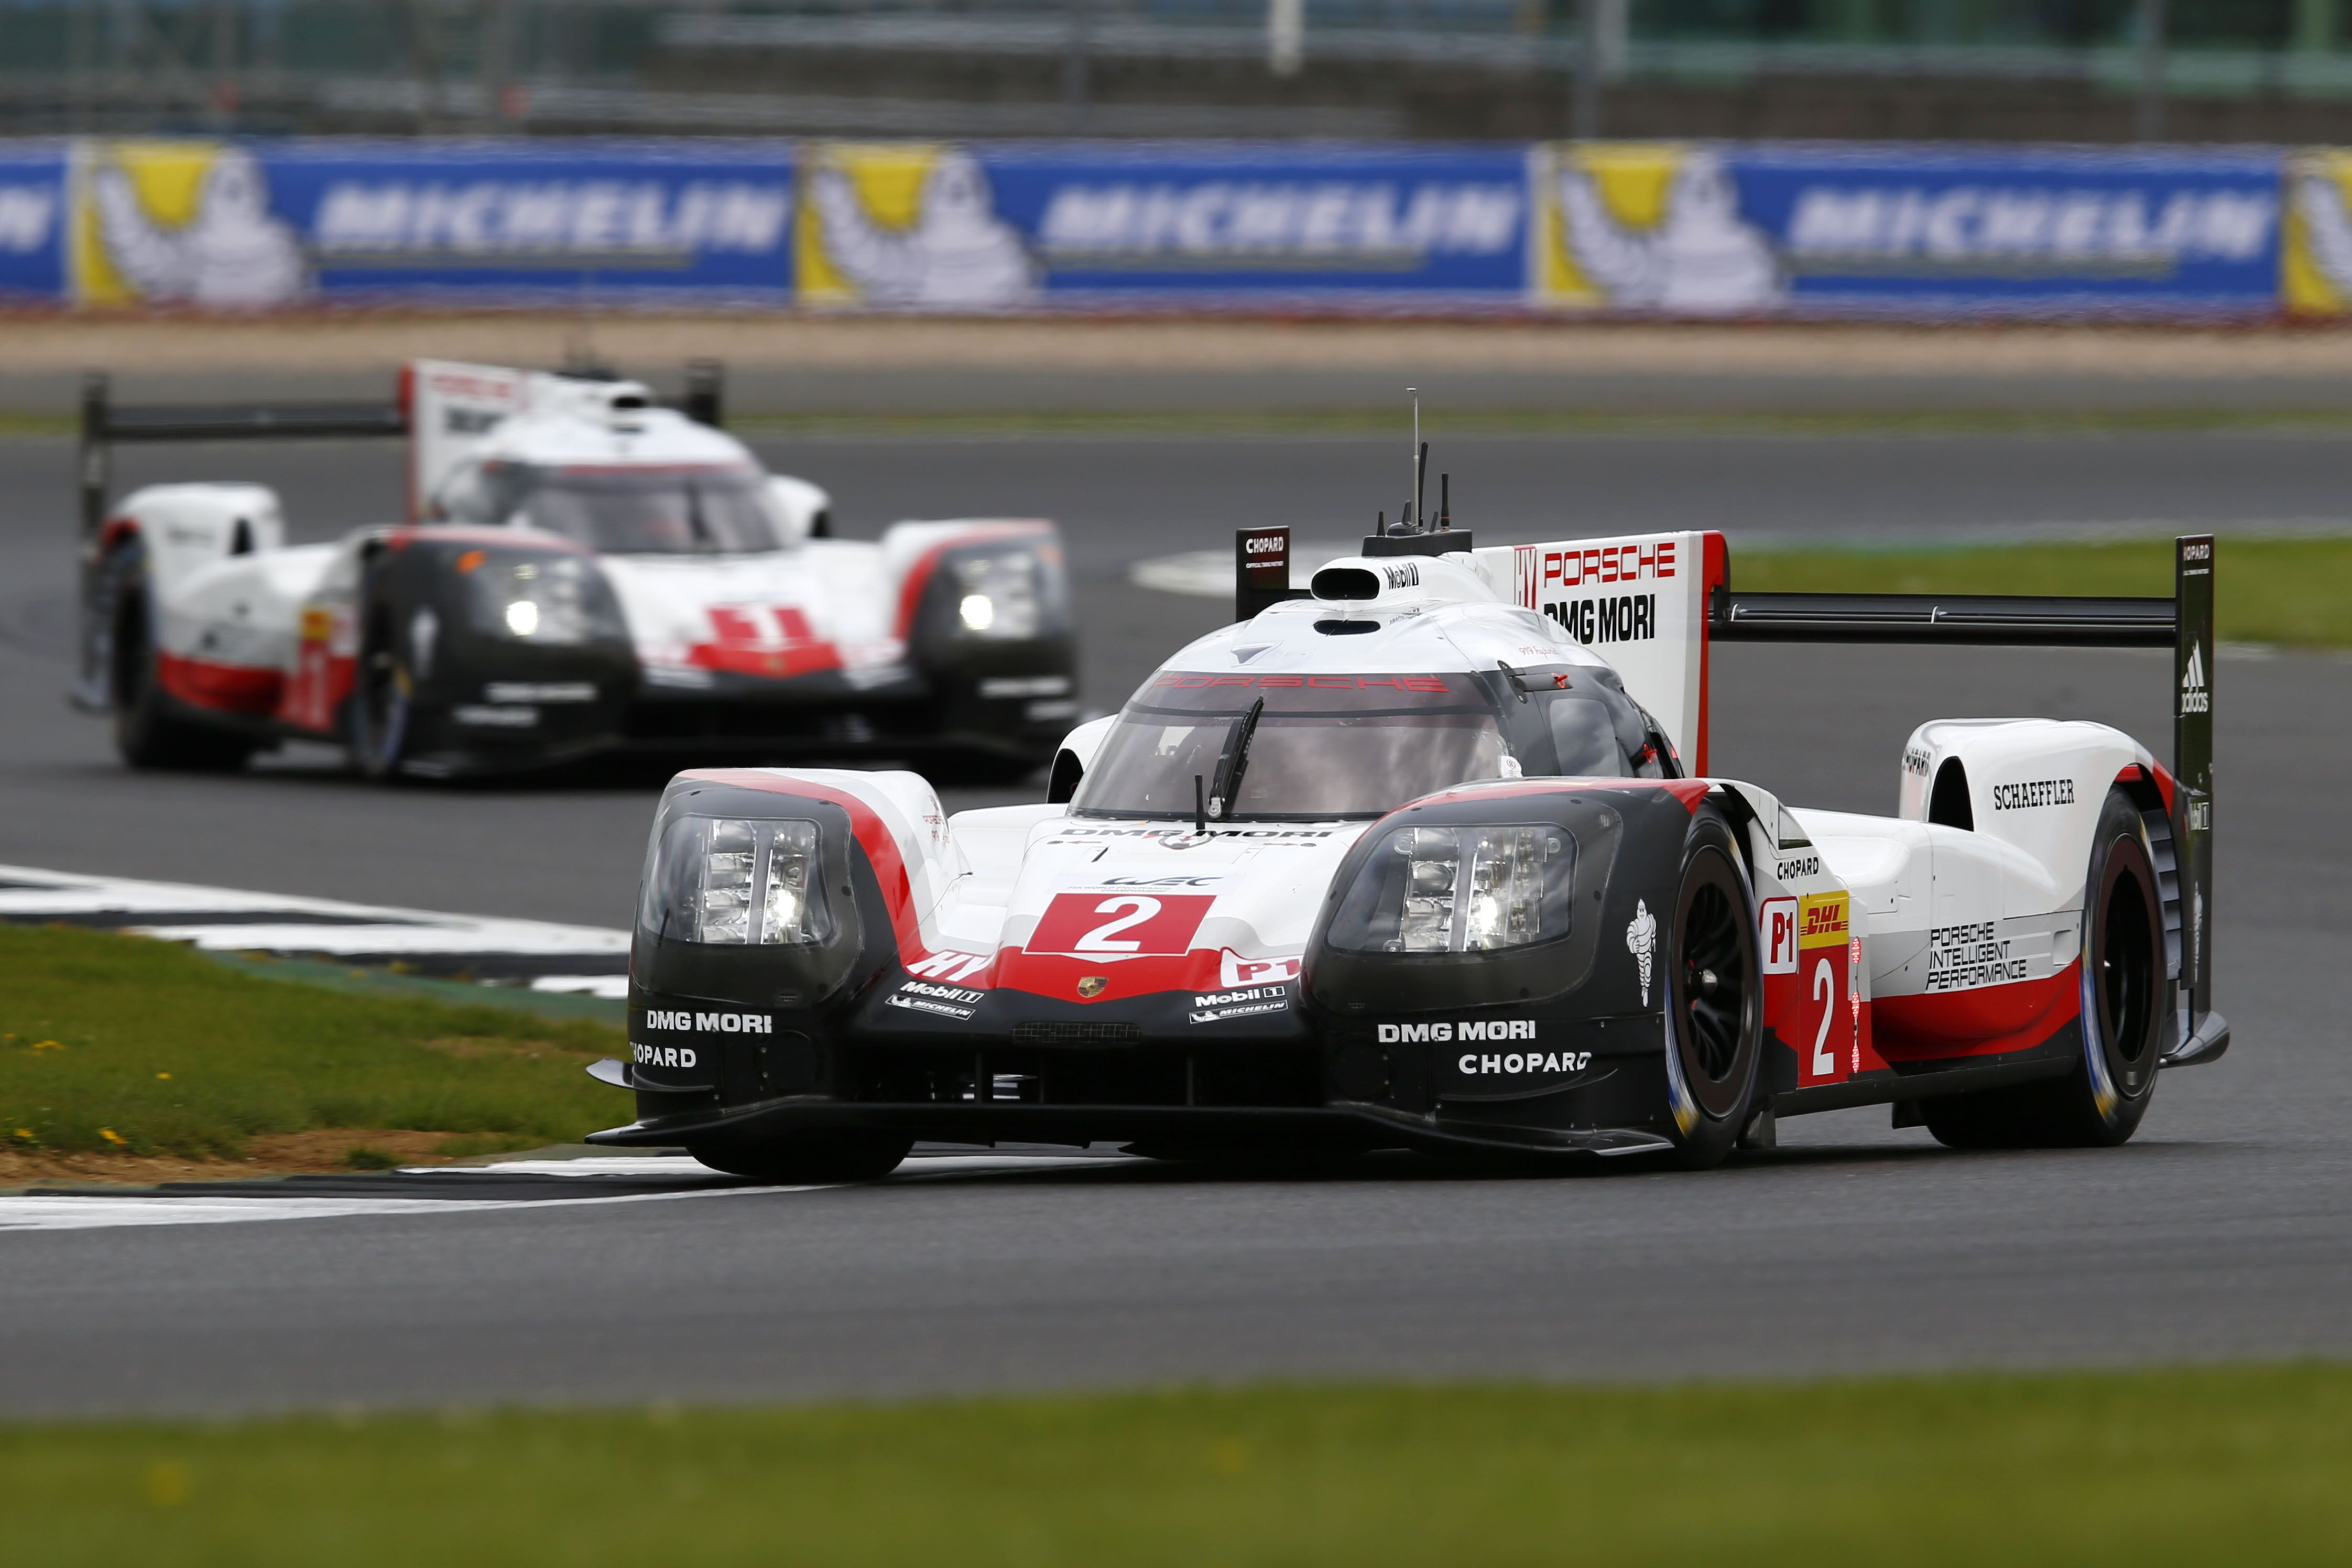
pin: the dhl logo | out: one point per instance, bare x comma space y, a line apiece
1822, 921
318, 626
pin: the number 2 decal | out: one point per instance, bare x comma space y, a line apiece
1825, 993
1138, 909
1104, 925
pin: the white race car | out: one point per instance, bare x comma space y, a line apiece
582, 571
1417, 861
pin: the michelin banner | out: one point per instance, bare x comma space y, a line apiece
32, 222
1669, 229
242, 225
1756, 229
1185, 226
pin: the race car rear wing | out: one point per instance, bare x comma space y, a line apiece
1656, 604
2183, 623
106, 425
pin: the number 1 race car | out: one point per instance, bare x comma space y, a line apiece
581, 573
1417, 861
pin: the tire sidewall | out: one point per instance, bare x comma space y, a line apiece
379, 744
2120, 1087
1706, 1116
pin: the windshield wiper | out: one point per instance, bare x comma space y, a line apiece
1236, 757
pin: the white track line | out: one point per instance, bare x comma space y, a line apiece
340, 928
77, 1213
1209, 574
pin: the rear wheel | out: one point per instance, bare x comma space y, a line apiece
807, 1158
1714, 1003
147, 734
2124, 980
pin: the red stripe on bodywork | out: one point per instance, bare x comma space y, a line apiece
1053, 974
918, 575
1985, 1022
224, 688
1690, 791
873, 836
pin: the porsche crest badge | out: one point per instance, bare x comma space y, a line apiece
1093, 985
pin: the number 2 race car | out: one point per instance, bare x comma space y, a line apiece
1417, 861
581, 572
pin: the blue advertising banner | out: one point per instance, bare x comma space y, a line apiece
32, 222
255, 224
1916, 232
1011, 227
1675, 230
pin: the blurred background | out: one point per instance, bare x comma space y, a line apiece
2081, 70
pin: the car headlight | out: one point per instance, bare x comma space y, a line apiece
557, 599
1000, 597
1460, 889
738, 882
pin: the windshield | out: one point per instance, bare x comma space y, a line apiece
1310, 746
624, 510
1347, 746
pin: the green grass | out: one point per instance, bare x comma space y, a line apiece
2295, 593
113, 1042
2242, 1465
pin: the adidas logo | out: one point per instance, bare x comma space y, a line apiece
2196, 697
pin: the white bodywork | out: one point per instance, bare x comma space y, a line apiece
232, 598
1883, 938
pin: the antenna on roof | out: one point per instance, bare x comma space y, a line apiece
1411, 518
1444, 500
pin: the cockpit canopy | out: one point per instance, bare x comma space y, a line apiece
1316, 747
704, 509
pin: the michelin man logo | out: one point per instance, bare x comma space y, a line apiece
1698, 258
956, 255
1642, 942
230, 252
2318, 272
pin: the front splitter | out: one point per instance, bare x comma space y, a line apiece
1342, 1125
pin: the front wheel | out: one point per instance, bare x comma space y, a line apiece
382, 701
2124, 989
1714, 1003
810, 1159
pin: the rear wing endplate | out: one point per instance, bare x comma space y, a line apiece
2183, 623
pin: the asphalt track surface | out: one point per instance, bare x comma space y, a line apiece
2220, 1232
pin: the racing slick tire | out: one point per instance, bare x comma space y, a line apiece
1715, 1010
378, 718
147, 736
2100, 1103
808, 1158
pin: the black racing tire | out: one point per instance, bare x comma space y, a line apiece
379, 715
1715, 1003
147, 734
807, 1158
2100, 1103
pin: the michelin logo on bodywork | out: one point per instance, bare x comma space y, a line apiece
955, 1001
1219, 1005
